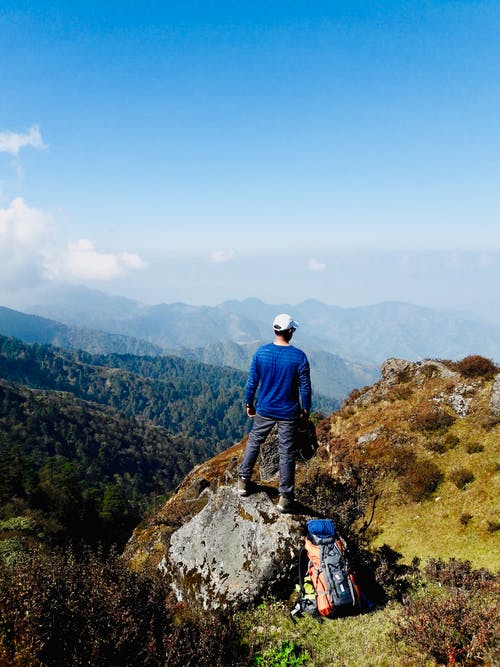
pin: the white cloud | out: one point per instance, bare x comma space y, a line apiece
81, 261
24, 233
224, 255
22, 226
315, 265
12, 142
30, 254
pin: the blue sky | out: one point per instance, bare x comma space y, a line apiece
200, 151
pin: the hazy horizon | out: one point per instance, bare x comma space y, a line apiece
23, 300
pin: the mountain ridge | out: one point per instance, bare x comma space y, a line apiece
364, 334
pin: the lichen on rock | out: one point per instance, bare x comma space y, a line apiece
495, 398
234, 551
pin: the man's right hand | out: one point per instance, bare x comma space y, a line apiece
251, 410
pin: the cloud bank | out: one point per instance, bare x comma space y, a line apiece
29, 253
12, 142
81, 261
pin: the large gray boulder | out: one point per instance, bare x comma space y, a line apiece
233, 551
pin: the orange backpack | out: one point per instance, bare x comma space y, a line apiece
335, 589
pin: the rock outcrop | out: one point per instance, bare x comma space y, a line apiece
495, 399
217, 549
397, 372
233, 551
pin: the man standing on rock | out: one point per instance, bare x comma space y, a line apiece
281, 372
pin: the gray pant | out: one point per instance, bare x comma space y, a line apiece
287, 431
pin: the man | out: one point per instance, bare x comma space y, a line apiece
281, 372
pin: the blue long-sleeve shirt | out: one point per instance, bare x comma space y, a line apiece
282, 374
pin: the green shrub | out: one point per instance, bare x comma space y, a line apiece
476, 366
461, 477
286, 655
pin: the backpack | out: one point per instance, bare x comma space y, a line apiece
326, 586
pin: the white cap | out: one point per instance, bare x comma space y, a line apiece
284, 322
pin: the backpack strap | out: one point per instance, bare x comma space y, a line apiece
303, 564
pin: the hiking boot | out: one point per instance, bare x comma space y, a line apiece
285, 505
243, 484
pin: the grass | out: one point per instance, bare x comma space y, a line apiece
432, 528
359, 641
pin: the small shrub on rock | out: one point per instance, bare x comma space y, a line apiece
431, 418
354, 395
476, 366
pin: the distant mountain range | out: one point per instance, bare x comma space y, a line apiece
365, 335
345, 345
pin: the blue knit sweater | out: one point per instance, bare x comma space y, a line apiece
281, 372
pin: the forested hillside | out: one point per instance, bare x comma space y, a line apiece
34, 329
71, 468
184, 397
